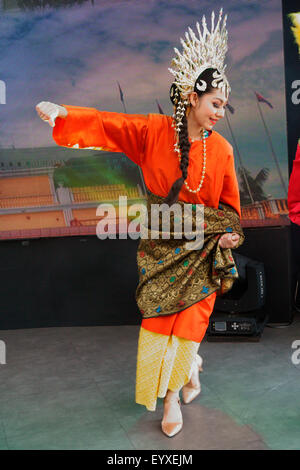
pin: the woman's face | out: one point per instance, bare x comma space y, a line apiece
207, 109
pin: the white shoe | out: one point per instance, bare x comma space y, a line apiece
192, 389
171, 426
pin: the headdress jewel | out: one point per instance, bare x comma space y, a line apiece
199, 54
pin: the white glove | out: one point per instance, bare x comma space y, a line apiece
49, 111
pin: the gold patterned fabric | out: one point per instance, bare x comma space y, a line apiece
163, 362
172, 277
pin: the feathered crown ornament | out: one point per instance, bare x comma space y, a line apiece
199, 54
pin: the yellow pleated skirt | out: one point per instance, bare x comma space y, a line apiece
163, 362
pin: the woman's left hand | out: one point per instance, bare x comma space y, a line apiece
229, 240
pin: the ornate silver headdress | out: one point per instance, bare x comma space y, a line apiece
199, 54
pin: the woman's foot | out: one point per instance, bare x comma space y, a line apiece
192, 389
172, 420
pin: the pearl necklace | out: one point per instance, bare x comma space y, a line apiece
177, 149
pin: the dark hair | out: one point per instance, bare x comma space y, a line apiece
183, 137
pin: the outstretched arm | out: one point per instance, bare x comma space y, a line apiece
88, 128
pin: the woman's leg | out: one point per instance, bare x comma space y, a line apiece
172, 420
177, 364
166, 350
163, 363
151, 351
175, 374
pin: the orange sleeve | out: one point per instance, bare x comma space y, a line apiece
230, 191
88, 128
294, 190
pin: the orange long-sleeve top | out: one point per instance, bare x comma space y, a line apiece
148, 140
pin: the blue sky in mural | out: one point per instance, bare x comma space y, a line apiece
76, 55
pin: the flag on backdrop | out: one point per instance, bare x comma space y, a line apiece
159, 108
262, 99
121, 93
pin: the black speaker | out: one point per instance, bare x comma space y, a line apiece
248, 293
239, 313
68, 281
86, 281
272, 247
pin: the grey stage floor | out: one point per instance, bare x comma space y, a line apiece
73, 388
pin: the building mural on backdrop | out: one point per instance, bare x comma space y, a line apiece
114, 55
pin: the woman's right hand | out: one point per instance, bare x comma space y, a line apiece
50, 111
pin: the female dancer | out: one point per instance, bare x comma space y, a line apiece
182, 160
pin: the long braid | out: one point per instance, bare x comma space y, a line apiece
184, 145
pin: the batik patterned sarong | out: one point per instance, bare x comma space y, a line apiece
173, 277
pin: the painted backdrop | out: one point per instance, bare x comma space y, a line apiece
114, 55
